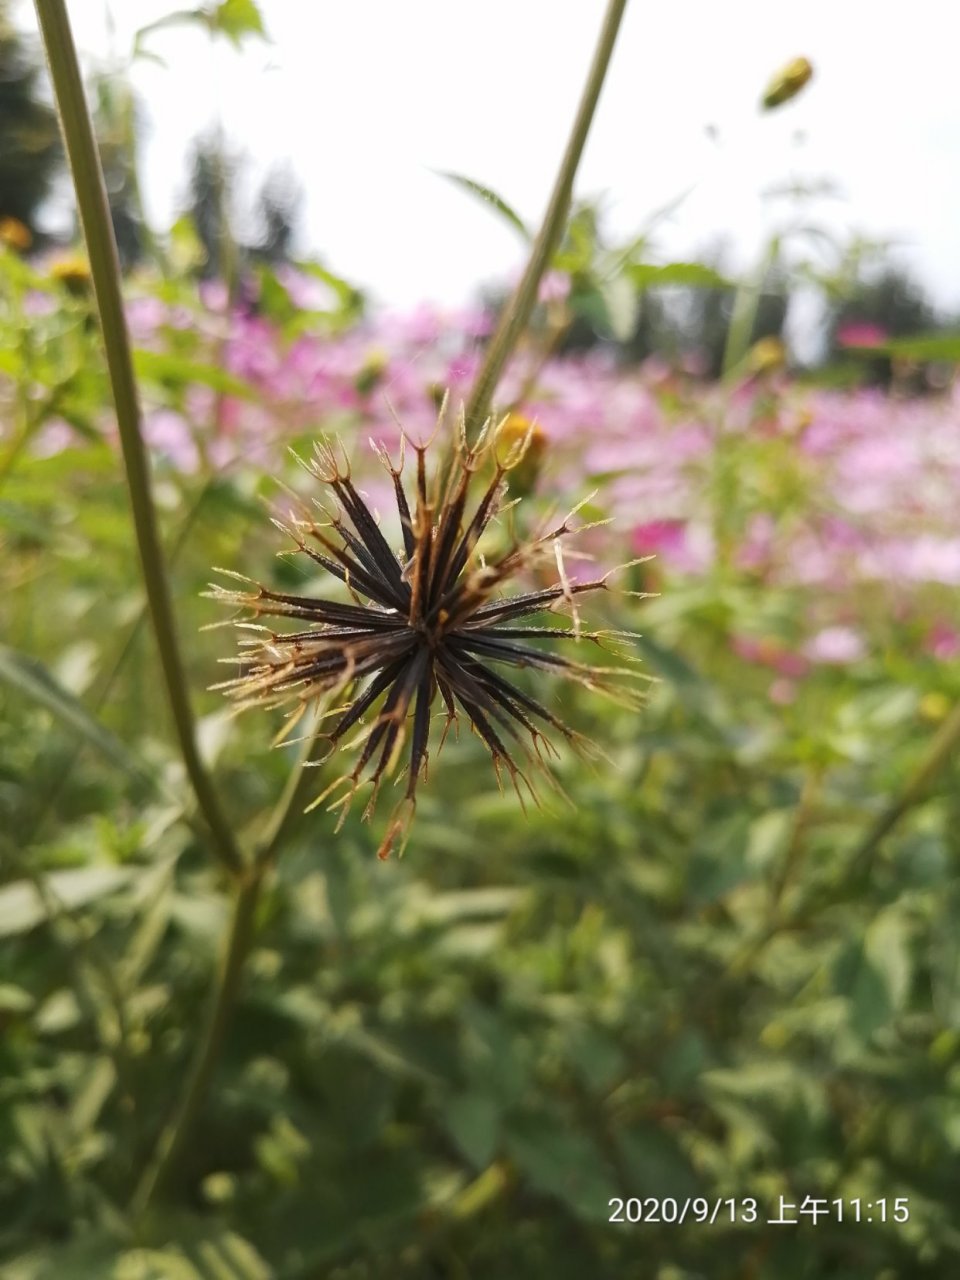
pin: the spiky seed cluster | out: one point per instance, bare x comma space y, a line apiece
428, 619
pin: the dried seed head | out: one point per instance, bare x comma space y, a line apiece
425, 620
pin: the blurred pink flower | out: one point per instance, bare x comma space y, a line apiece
554, 287
756, 548
52, 438
214, 294
168, 433
674, 542
782, 692
835, 645
943, 641
660, 537
767, 651
860, 333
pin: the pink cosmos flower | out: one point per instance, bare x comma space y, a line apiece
674, 542
169, 434
835, 646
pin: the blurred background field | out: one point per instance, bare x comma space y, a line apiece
716, 974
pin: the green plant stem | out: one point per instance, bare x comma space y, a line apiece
941, 747
857, 870
173, 1140
105, 272
288, 806
517, 312
746, 304
65, 772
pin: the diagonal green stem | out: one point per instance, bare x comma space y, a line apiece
942, 746
517, 312
105, 272
174, 1138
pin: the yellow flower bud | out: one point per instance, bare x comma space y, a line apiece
787, 83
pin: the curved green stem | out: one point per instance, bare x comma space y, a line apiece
517, 312
173, 1140
941, 747
105, 272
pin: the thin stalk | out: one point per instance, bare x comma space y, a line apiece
517, 312
746, 304
941, 747
289, 805
173, 1140
855, 874
94, 211
65, 772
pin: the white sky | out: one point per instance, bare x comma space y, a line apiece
365, 97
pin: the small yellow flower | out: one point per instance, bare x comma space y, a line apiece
787, 83
14, 234
520, 447
73, 272
766, 355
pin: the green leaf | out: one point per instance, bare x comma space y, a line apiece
655, 1163
348, 295
14, 999
473, 1120
691, 275
622, 307
186, 249
559, 1160
90, 1257
22, 905
238, 18
171, 371
33, 679
874, 973
489, 197
887, 947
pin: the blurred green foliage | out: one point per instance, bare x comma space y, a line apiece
681, 985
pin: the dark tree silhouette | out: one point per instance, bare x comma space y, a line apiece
30, 152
